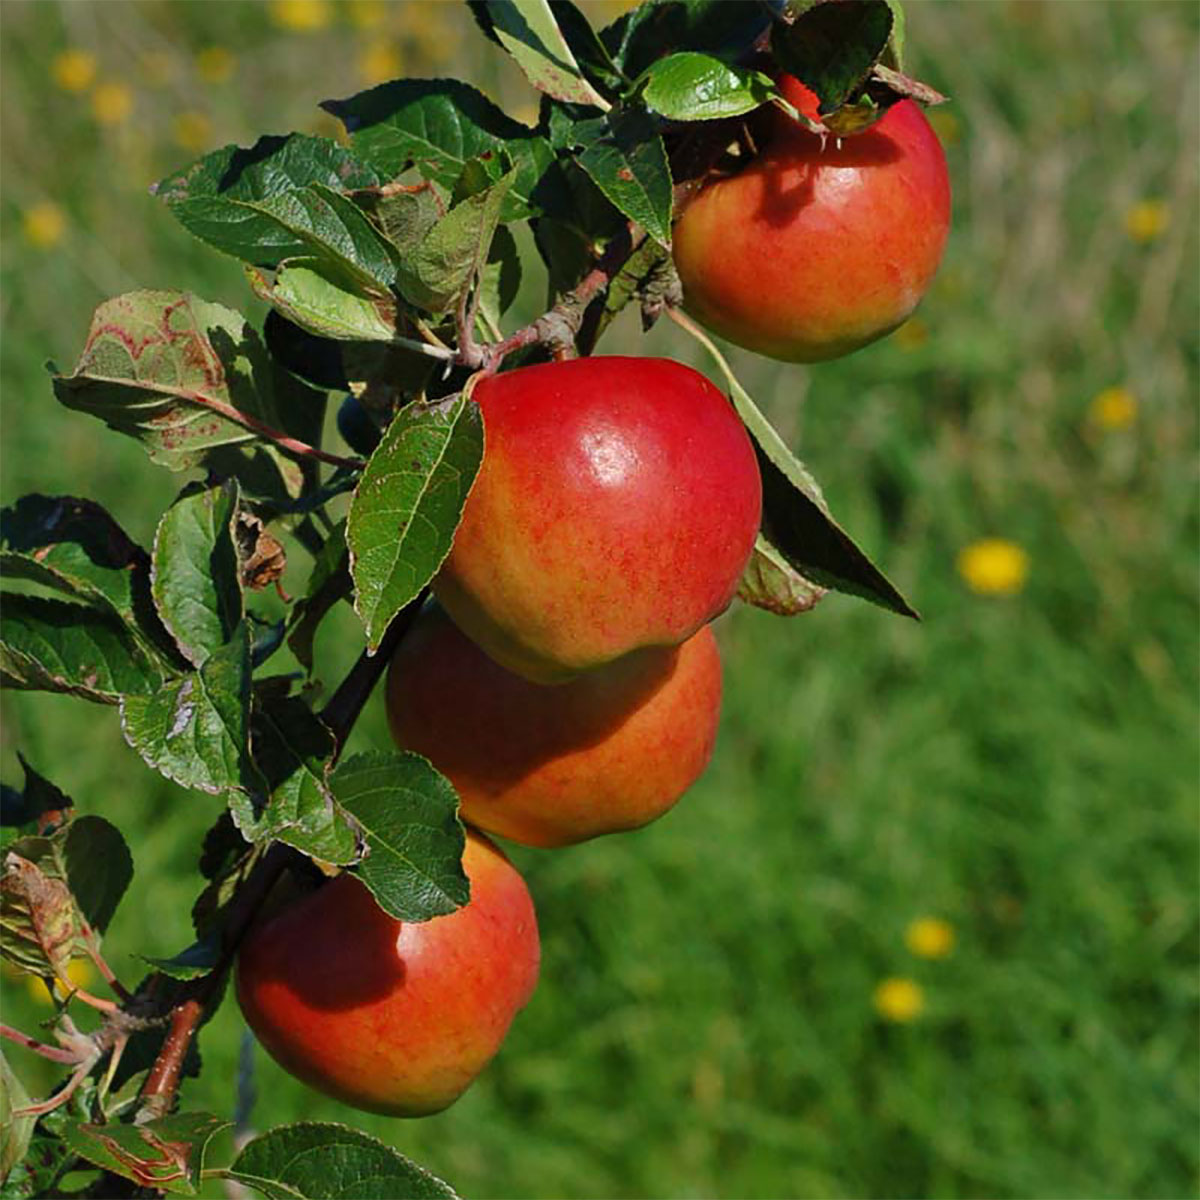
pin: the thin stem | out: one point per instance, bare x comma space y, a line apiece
440, 352
54, 1053
102, 966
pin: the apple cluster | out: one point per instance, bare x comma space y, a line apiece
566, 678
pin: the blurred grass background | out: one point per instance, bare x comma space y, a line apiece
928, 925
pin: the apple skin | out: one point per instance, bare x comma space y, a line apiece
616, 507
388, 1016
818, 247
610, 750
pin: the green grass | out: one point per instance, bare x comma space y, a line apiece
1024, 767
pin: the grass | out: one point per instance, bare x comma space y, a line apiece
1021, 766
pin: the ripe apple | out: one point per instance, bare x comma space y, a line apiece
390, 1016
616, 507
820, 245
611, 749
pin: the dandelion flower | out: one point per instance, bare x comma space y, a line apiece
301, 16
380, 62
994, 567
74, 70
191, 130
80, 974
1147, 220
111, 103
1113, 408
44, 225
215, 64
899, 999
929, 937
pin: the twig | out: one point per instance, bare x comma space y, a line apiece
54, 1053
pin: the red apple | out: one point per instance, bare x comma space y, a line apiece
616, 507
819, 245
390, 1016
611, 749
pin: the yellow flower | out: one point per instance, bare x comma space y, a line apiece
380, 62
899, 999
43, 225
366, 14
1147, 220
928, 937
79, 972
192, 130
215, 64
111, 103
301, 16
912, 335
994, 567
1113, 408
74, 70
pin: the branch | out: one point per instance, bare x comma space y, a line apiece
347, 702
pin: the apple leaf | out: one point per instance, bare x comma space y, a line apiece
195, 579
690, 86
184, 377
51, 646
75, 547
528, 31
307, 298
728, 29
166, 1155
408, 504
328, 583
437, 125
194, 961
319, 1161
98, 867
625, 157
15, 1132
796, 519
291, 748
832, 46
409, 815
38, 808
771, 582
195, 730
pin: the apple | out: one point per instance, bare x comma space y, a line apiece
609, 750
820, 245
615, 509
391, 1016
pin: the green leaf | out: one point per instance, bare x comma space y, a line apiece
437, 125
528, 31
195, 730
405, 214
697, 87
727, 28
304, 296
796, 519
50, 646
499, 281
409, 814
15, 1132
196, 585
771, 582
311, 1161
98, 867
832, 47
184, 377
271, 166
41, 803
166, 1155
191, 963
408, 504
454, 251
77, 548
291, 749
625, 157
